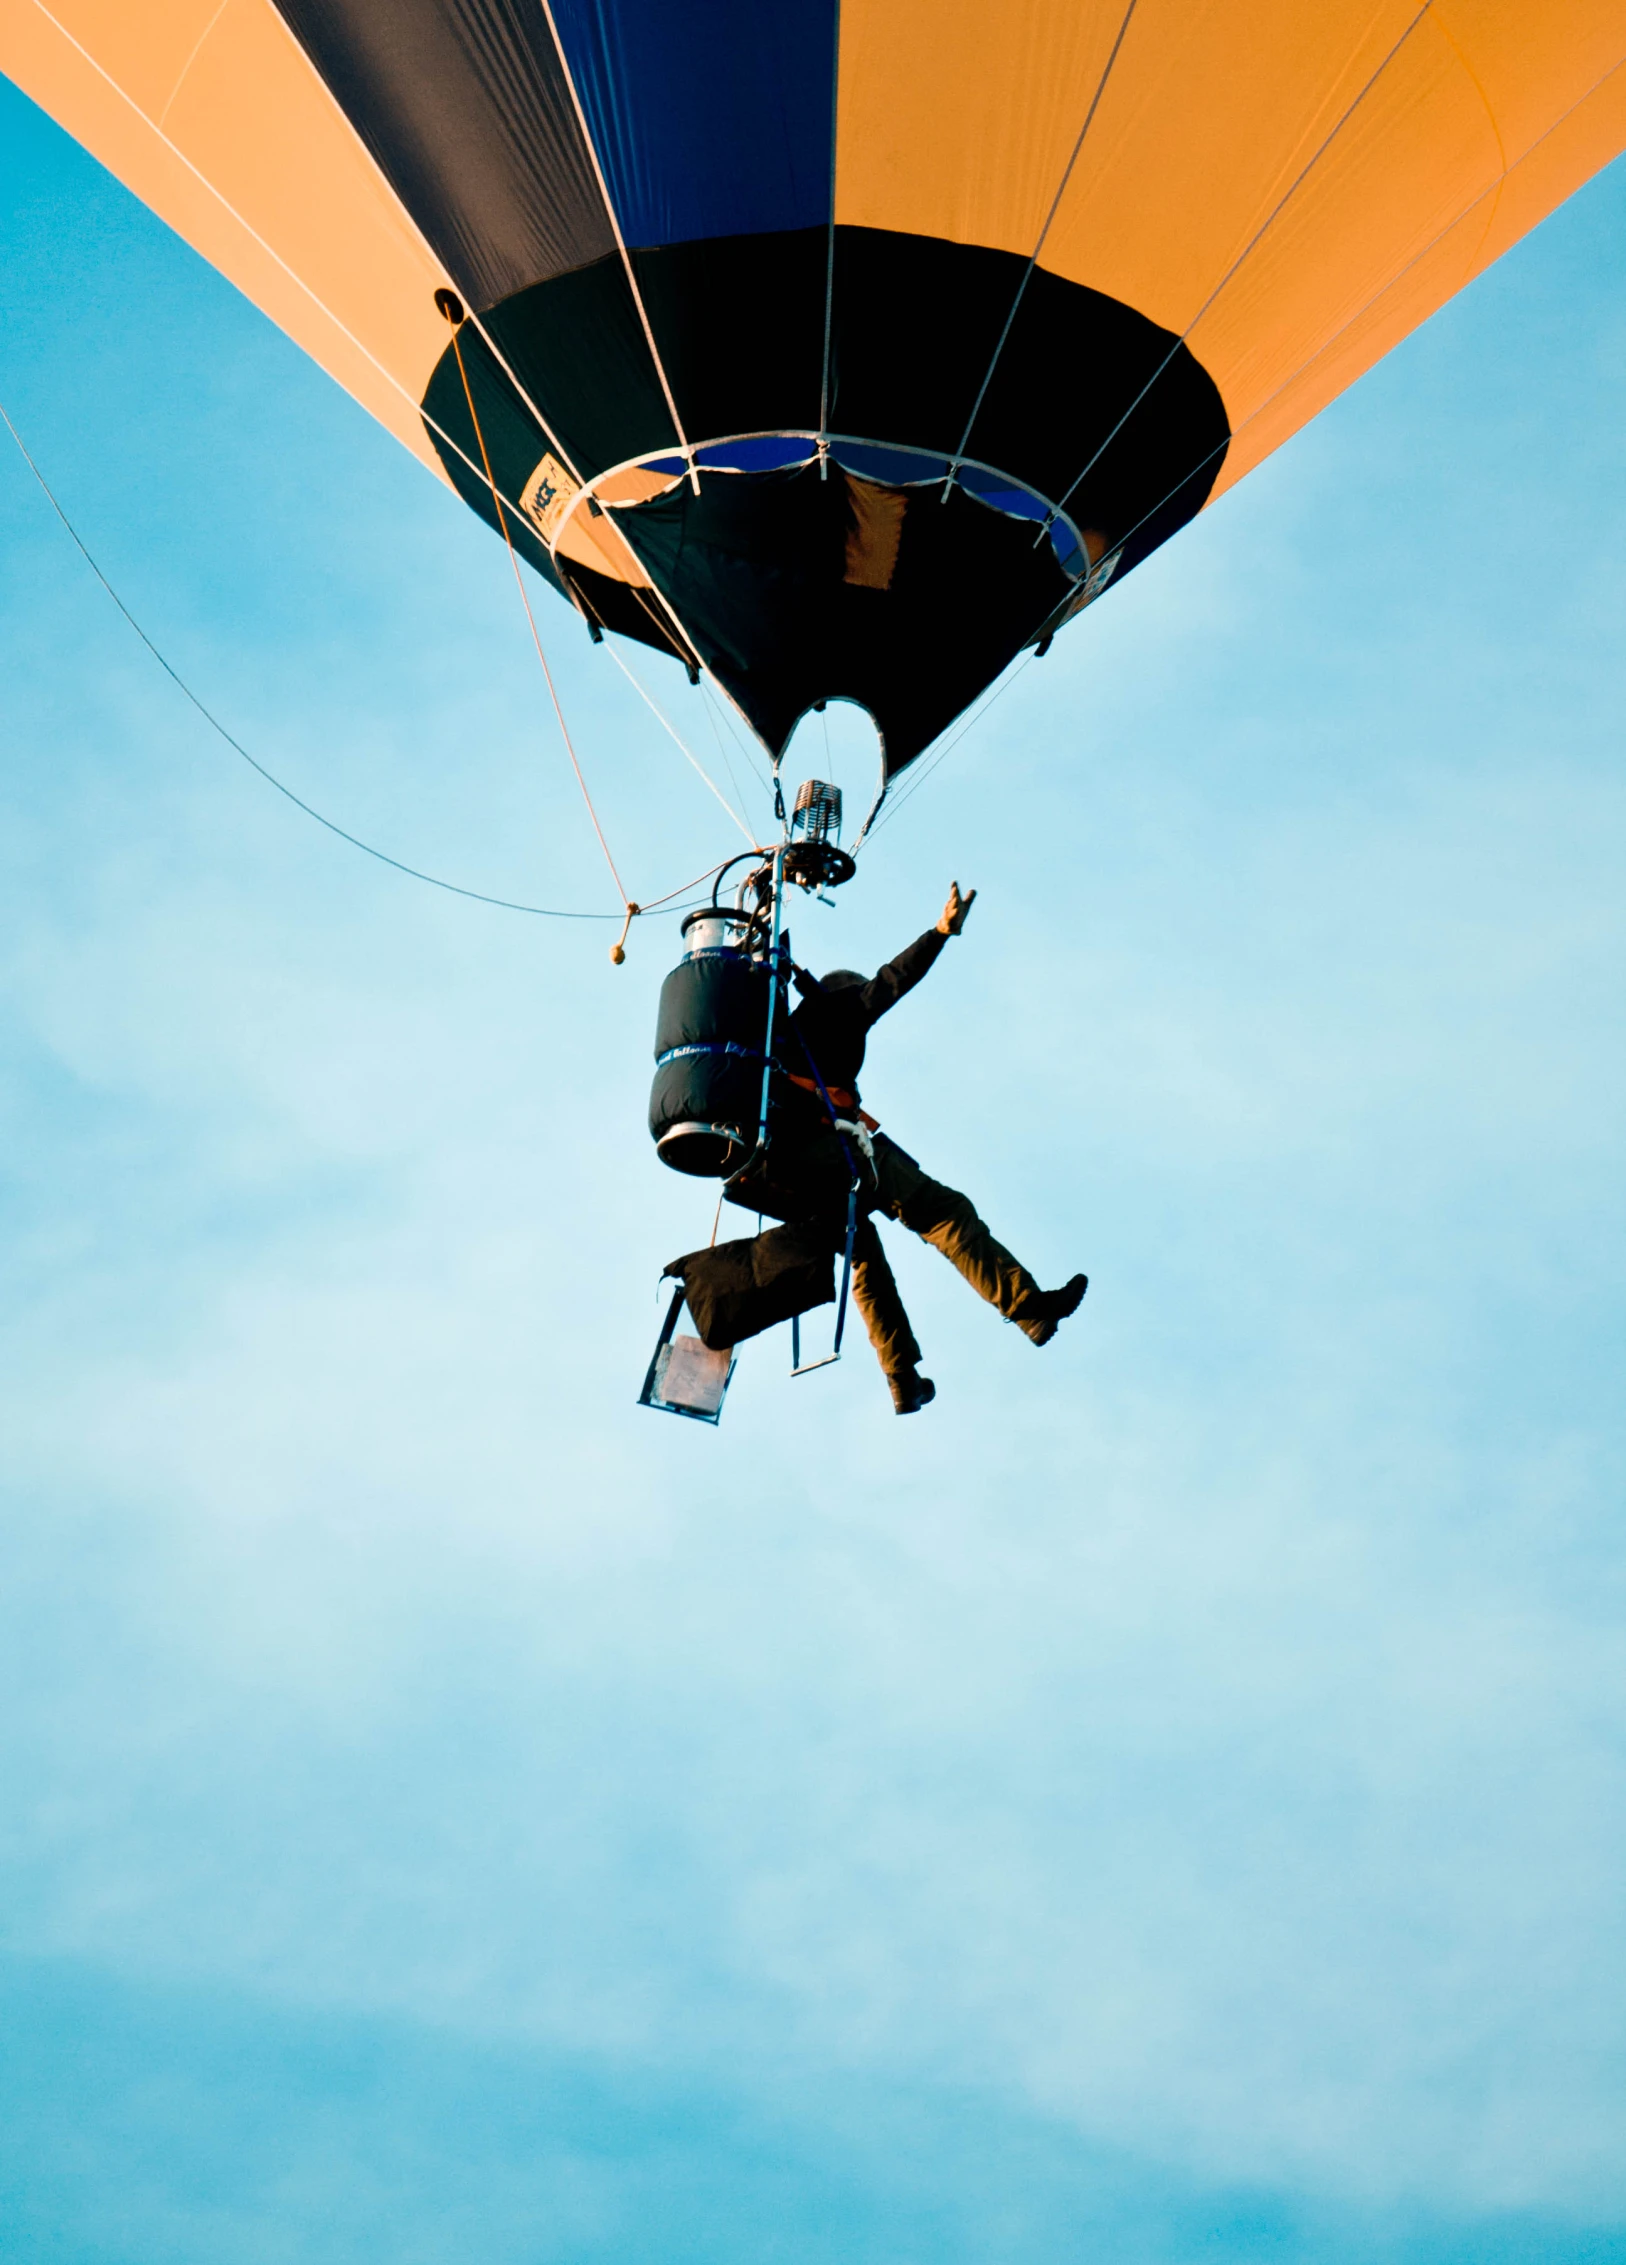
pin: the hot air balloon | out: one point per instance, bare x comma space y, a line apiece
843, 348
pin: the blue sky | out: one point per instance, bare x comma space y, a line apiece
1164, 1804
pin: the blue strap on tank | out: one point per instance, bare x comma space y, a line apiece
718, 1046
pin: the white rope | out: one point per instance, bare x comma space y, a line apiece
253, 234
412, 872
1027, 272
745, 740
197, 50
1390, 283
830, 249
621, 246
472, 314
918, 778
482, 471
671, 732
708, 695
536, 634
1246, 252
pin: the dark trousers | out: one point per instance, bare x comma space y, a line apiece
807, 1178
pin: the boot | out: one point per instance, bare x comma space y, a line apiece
1046, 1308
910, 1391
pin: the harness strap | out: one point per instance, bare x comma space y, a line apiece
839, 1094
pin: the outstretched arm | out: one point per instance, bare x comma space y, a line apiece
900, 975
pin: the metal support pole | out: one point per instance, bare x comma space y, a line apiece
775, 930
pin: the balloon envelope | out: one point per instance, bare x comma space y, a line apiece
843, 349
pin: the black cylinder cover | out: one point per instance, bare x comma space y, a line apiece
709, 1032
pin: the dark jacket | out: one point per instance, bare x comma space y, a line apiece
833, 1025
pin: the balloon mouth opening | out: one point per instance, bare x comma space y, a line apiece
1082, 553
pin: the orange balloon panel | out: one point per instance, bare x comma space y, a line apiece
1286, 185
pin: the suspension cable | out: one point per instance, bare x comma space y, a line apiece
1241, 259
614, 219
383, 857
1027, 272
682, 745
452, 309
918, 778
665, 721
723, 755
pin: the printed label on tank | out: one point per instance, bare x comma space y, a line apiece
547, 495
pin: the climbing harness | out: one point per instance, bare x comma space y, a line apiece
865, 1123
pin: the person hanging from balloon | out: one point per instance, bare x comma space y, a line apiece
804, 1178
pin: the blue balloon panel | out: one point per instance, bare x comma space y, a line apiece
709, 119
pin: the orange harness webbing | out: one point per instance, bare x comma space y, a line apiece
842, 1098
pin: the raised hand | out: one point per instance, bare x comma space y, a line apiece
953, 916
